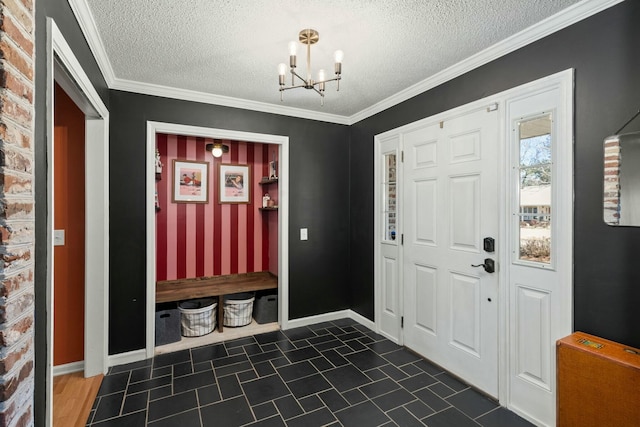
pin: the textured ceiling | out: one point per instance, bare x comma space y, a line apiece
231, 48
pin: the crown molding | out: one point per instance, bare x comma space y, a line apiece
557, 22
208, 98
552, 24
92, 36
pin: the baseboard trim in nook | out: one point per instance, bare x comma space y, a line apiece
128, 357
328, 317
68, 368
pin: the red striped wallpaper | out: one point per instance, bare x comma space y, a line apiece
212, 239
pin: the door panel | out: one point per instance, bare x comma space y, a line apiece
533, 314
425, 218
465, 313
451, 204
390, 274
425, 303
465, 213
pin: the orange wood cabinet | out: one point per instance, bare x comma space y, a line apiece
598, 382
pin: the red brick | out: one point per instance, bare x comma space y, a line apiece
11, 358
15, 185
12, 134
11, 383
13, 32
22, 16
10, 412
16, 257
15, 85
15, 58
16, 210
9, 108
16, 283
11, 335
15, 160
16, 232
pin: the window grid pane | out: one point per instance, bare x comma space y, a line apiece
389, 193
534, 189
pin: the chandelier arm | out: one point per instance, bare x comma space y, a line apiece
283, 88
328, 80
298, 76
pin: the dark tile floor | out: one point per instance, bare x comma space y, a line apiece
330, 374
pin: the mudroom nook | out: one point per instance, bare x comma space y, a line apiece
216, 226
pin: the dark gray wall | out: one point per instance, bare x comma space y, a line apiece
603, 50
60, 11
334, 269
318, 196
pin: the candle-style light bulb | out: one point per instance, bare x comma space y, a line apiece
321, 76
338, 56
282, 69
293, 47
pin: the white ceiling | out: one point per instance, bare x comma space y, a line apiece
227, 51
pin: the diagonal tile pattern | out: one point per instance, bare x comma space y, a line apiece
329, 374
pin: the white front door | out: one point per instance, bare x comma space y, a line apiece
450, 205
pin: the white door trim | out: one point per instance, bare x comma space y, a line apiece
79, 87
564, 79
283, 218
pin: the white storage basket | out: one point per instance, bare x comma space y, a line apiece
197, 317
237, 312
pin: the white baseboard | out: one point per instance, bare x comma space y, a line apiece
139, 355
362, 320
328, 317
129, 357
68, 368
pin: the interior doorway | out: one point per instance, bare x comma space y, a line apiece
69, 233
64, 69
282, 145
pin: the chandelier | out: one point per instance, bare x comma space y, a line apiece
309, 37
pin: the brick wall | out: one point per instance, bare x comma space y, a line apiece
612, 180
17, 219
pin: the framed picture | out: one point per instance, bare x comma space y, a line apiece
234, 184
190, 182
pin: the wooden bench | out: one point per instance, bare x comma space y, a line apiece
214, 286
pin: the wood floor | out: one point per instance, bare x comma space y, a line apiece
73, 397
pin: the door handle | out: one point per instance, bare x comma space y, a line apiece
489, 265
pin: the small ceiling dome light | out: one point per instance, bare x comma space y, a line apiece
308, 37
217, 149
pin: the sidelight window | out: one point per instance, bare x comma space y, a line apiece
389, 192
534, 213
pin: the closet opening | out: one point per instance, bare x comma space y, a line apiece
215, 238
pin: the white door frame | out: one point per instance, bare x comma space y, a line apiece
64, 68
283, 218
563, 79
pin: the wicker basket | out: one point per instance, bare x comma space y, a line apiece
238, 309
197, 316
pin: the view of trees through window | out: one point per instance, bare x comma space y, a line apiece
535, 171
